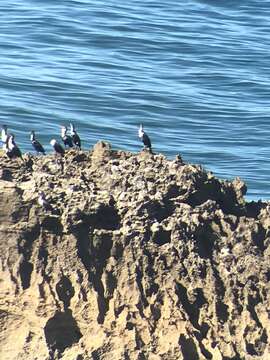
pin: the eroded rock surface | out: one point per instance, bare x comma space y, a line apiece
139, 258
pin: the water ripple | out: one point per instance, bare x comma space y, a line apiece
196, 74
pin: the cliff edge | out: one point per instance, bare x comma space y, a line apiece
130, 256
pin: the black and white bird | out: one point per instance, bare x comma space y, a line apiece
36, 144
4, 136
67, 139
75, 137
145, 138
43, 202
12, 150
57, 147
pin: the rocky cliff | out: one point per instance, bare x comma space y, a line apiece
133, 256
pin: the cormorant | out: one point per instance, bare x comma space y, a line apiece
67, 140
36, 144
57, 147
145, 138
12, 149
75, 137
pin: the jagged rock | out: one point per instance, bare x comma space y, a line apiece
140, 258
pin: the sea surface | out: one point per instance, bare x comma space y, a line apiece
195, 73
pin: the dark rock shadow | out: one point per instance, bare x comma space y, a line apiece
61, 331
188, 348
65, 291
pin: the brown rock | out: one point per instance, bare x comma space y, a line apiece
141, 258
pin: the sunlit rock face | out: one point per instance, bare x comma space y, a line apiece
136, 257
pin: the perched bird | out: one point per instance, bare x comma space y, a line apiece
75, 137
67, 140
43, 202
12, 149
145, 138
4, 136
57, 147
36, 144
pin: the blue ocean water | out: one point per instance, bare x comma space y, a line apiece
196, 73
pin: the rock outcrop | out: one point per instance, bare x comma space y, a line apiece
137, 257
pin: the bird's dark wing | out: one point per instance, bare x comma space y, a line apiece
146, 140
38, 147
67, 141
9, 154
58, 148
76, 140
15, 152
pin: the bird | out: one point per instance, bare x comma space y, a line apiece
12, 150
4, 136
145, 138
75, 137
43, 202
57, 147
36, 144
67, 139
